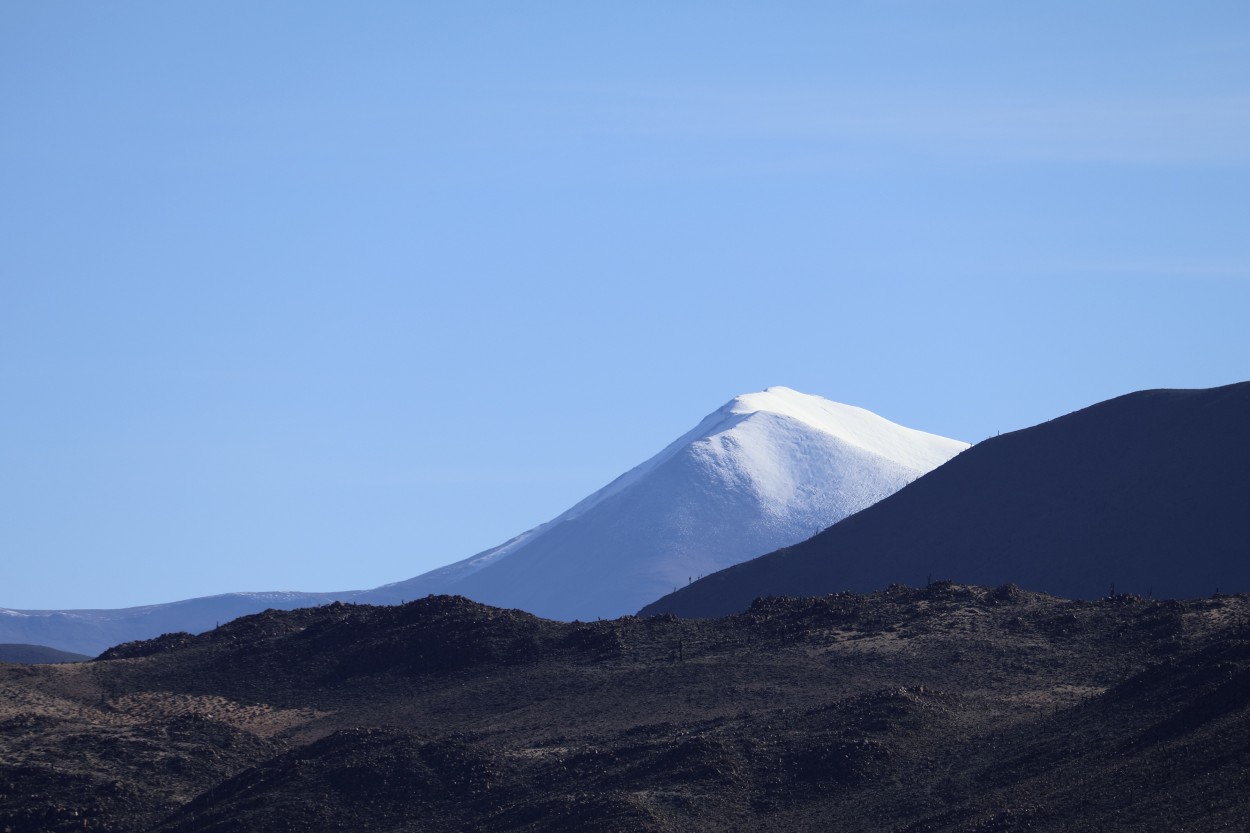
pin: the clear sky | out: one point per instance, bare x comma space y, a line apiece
318, 295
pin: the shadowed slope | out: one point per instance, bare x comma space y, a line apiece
1148, 491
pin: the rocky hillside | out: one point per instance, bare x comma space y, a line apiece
949, 708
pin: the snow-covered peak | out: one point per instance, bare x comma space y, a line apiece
763, 471
855, 426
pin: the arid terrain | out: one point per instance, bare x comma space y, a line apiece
946, 708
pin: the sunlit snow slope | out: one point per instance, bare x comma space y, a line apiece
765, 471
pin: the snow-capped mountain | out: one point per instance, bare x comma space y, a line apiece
764, 471
767, 470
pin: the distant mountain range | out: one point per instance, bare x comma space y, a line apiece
764, 471
91, 631
1147, 493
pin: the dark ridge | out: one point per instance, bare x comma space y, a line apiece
1144, 493
37, 654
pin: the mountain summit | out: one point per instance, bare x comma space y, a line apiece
765, 470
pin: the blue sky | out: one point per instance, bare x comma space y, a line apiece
318, 296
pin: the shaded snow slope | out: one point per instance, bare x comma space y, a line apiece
766, 470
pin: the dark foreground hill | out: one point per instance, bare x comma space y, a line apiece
1148, 493
11, 652
946, 709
